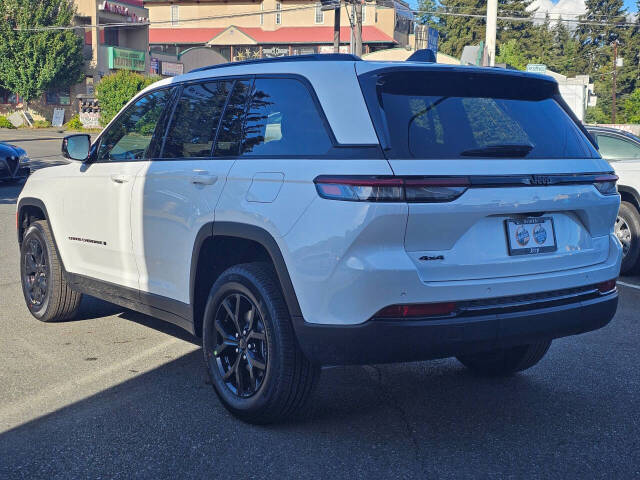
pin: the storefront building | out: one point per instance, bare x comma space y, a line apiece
125, 45
240, 30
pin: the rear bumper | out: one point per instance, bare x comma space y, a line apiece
378, 341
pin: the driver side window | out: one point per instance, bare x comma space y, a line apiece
129, 136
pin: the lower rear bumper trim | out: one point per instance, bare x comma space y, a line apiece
387, 341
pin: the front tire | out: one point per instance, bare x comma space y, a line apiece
254, 362
506, 361
48, 296
627, 230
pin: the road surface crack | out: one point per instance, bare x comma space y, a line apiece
393, 401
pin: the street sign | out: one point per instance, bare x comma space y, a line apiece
329, 5
58, 117
171, 69
536, 68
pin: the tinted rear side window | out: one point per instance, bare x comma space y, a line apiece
230, 132
615, 148
283, 120
460, 115
195, 120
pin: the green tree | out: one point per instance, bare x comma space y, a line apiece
425, 17
565, 51
115, 90
632, 107
596, 115
34, 61
512, 54
458, 31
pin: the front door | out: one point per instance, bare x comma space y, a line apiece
97, 197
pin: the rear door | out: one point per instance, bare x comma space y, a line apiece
178, 192
500, 179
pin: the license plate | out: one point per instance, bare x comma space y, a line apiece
530, 235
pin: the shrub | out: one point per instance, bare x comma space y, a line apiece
74, 123
595, 115
115, 90
41, 124
4, 123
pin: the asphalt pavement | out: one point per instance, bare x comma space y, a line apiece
116, 394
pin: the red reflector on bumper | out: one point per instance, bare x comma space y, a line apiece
607, 286
416, 310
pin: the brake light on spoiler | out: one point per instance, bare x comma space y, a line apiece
443, 189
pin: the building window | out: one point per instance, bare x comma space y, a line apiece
319, 13
364, 13
261, 14
278, 14
58, 97
111, 37
175, 15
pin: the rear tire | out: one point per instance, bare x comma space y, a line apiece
250, 350
48, 296
505, 361
627, 230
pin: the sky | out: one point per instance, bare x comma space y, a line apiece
560, 6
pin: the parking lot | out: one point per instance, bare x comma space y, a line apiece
116, 394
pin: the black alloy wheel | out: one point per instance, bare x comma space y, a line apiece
241, 350
250, 349
36, 272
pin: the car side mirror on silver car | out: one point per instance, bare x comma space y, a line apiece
76, 147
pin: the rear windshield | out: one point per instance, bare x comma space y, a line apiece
430, 115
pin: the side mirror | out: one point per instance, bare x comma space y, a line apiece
76, 147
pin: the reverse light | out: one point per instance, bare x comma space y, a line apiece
606, 287
391, 189
417, 310
606, 184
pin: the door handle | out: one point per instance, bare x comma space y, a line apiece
203, 178
119, 178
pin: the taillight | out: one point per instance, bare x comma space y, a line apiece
417, 310
606, 184
391, 189
435, 189
606, 287
360, 189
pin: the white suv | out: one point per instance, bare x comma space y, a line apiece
325, 210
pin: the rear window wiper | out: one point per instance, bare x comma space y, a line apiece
499, 151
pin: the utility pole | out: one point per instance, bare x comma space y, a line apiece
358, 29
336, 29
490, 40
613, 93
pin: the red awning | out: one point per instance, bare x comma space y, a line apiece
283, 35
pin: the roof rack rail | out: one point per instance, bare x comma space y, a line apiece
314, 57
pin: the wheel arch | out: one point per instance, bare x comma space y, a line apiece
218, 246
30, 209
629, 194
